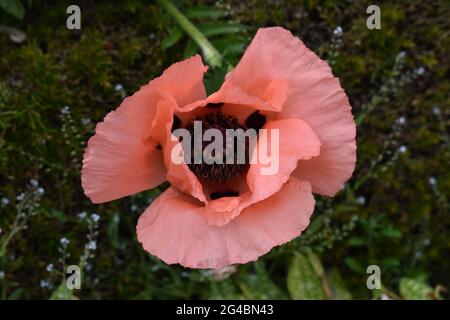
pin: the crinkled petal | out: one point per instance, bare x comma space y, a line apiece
233, 93
178, 173
122, 158
268, 172
313, 94
174, 228
184, 81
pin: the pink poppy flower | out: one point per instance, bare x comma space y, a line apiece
214, 217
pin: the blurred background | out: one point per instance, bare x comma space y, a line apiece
56, 84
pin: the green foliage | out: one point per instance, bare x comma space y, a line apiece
414, 289
214, 24
13, 7
304, 280
62, 292
259, 285
338, 285
227, 36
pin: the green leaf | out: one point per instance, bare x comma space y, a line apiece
340, 291
211, 55
172, 38
413, 289
231, 45
391, 232
354, 265
220, 28
53, 213
356, 242
224, 290
303, 281
190, 50
13, 7
113, 230
315, 226
63, 293
315, 263
15, 295
259, 286
391, 262
205, 12
214, 79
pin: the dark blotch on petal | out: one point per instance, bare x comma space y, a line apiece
222, 194
176, 124
214, 105
255, 121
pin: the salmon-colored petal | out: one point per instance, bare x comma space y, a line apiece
122, 158
233, 93
178, 174
297, 141
183, 80
174, 229
313, 95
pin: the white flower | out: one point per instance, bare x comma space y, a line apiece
91, 245
361, 200
95, 217
118, 87
420, 71
401, 120
2, 274
34, 183
432, 181
64, 241
338, 31
5, 201
50, 267
402, 149
223, 273
44, 284
40, 191
85, 121
65, 110
82, 215
437, 111
20, 197
401, 56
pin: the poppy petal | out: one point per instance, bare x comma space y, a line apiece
122, 158
174, 228
313, 95
178, 174
297, 141
233, 93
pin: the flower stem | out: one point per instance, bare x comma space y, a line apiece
210, 53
